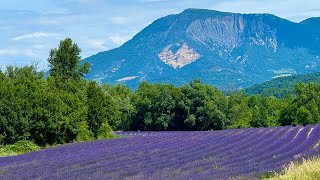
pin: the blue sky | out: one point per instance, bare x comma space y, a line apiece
29, 29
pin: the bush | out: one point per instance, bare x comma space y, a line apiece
105, 131
6, 152
20, 147
84, 133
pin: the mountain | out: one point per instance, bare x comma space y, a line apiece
227, 50
282, 86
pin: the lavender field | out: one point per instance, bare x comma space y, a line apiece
170, 155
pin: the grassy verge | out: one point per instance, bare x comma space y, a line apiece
307, 170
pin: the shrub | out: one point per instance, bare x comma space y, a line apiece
20, 147
105, 131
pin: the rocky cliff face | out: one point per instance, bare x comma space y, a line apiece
218, 32
182, 57
223, 49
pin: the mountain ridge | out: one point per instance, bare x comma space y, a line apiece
240, 49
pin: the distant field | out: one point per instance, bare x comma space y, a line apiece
222, 154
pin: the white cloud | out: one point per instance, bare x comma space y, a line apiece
120, 20
38, 46
151, 1
119, 39
96, 44
8, 52
35, 35
61, 11
78, 1
17, 52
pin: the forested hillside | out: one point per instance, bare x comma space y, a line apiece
282, 86
64, 107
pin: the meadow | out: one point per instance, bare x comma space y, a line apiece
237, 153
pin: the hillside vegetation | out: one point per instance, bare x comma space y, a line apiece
283, 86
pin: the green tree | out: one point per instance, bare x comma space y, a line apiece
98, 107
259, 118
84, 134
105, 131
59, 109
123, 99
18, 88
304, 108
200, 107
303, 116
239, 114
155, 104
65, 61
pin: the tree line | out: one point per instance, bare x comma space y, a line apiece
197, 106
64, 107
60, 108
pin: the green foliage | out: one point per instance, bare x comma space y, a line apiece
55, 110
123, 107
282, 86
18, 88
65, 61
6, 152
23, 146
304, 109
84, 134
239, 113
97, 107
155, 105
259, 118
191, 107
20, 147
203, 105
105, 131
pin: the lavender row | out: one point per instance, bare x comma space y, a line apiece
170, 155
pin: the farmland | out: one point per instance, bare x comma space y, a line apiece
222, 154
158, 94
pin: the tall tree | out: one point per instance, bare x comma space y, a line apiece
239, 114
18, 89
67, 83
123, 98
65, 61
99, 109
155, 107
200, 107
304, 109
